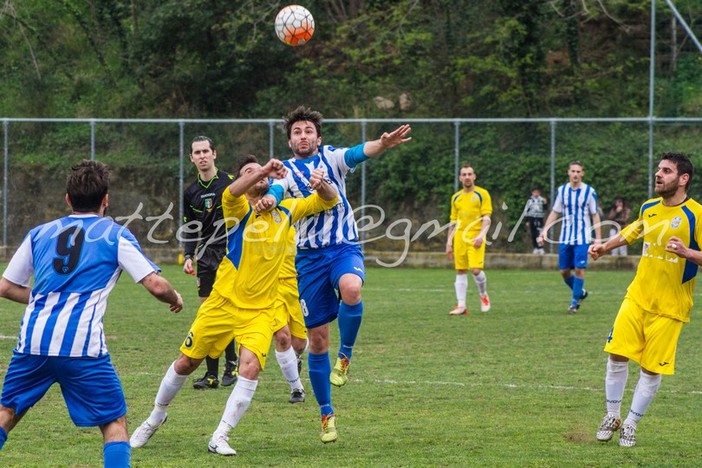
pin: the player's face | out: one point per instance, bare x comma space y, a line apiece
202, 155
304, 141
575, 173
467, 177
668, 181
261, 186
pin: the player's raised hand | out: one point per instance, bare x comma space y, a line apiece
396, 137
266, 203
275, 169
317, 178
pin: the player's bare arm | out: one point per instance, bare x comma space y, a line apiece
14, 292
484, 226
162, 290
253, 173
449, 241
598, 249
675, 245
319, 183
387, 140
552, 218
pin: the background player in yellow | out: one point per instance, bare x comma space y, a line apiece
241, 305
658, 300
471, 208
290, 333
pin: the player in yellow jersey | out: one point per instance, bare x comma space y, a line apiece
244, 296
658, 300
471, 209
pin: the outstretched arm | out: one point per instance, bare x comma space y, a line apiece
254, 174
387, 140
162, 290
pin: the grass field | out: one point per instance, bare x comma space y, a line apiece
519, 386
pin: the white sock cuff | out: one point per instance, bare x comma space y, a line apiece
246, 384
650, 383
480, 277
286, 356
462, 279
615, 367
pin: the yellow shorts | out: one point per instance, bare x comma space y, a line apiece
288, 310
465, 255
649, 339
218, 321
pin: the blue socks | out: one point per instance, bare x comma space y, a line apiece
116, 454
349, 323
320, 368
578, 284
3, 437
569, 281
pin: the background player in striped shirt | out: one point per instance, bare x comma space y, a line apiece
244, 297
329, 258
576, 205
76, 261
658, 301
471, 209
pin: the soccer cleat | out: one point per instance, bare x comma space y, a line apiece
458, 310
143, 433
219, 444
231, 373
573, 308
208, 381
627, 438
328, 428
338, 376
583, 297
610, 424
484, 303
297, 396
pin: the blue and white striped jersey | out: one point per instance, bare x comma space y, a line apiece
576, 207
338, 224
76, 261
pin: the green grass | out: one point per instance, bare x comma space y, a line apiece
519, 386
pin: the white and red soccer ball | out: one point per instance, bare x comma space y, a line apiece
294, 25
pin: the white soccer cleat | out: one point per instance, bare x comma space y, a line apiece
484, 303
219, 444
459, 310
609, 425
144, 432
627, 438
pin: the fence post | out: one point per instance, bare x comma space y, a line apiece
6, 157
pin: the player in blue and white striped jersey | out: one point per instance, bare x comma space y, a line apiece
329, 258
76, 261
576, 204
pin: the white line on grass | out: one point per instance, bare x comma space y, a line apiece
481, 384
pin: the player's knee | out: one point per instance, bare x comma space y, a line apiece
350, 291
185, 365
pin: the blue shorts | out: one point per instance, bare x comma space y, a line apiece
90, 386
318, 274
572, 256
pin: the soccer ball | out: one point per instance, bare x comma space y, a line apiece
294, 25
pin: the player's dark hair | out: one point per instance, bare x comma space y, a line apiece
87, 185
683, 163
202, 138
248, 159
303, 114
576, 162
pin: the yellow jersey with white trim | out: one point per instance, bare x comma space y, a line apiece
664, 282
257, 244
468, 209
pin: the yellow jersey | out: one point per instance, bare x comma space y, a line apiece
288, 270
664, 282
257, 246
468, 209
